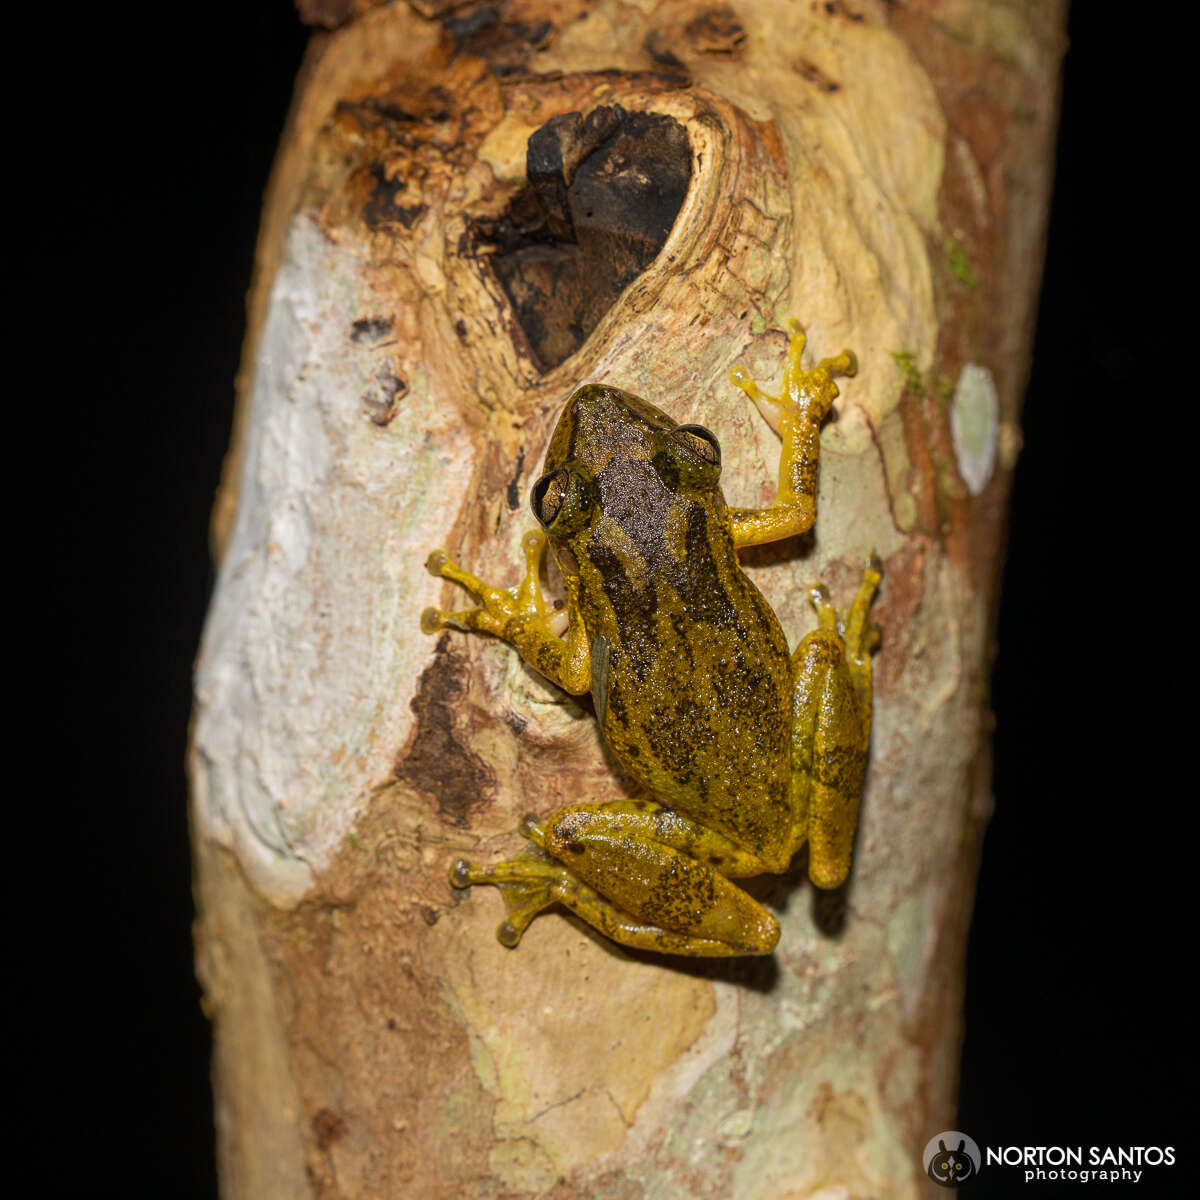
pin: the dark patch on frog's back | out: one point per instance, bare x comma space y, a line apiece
634, 609
616, 710
438, 763
704, 596
715, 599
715, 593
745, 602
680, 626
673, 731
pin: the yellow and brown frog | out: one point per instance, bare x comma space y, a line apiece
748, 751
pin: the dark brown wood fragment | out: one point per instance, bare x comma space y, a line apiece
505, 45
603, 191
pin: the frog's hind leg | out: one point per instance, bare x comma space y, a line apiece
670, 900
666, 879
528, 886
831, 715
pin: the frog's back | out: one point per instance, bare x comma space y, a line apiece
695, 697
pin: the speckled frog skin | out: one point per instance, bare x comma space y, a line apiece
748, 751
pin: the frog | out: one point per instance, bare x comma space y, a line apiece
741, 751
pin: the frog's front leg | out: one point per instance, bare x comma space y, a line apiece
521, 617
795, 415
831, 729
638, 872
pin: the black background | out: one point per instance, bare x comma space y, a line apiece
138, 170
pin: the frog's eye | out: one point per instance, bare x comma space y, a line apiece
548, 495
564, 500
689, 457
700, 441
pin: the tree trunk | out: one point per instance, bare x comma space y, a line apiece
444, 257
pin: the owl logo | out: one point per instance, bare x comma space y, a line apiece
951, 1158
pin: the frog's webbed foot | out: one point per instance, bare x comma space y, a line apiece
501, 610
528, 883
808, 394
796, 415
520, 616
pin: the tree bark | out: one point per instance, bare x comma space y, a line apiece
428, 292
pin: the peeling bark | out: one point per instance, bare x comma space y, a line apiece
879, 171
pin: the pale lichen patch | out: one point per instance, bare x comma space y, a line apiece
974, 419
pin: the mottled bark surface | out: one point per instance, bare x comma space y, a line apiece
877, 170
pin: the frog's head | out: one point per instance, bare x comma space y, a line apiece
615, 456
